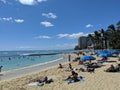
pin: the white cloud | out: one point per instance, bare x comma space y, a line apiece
44, 37
6, 19
19, 20
10, 19
76, 35
3, 1
47, 24
24, 47
65, 46
27, 2
62, 35
49, 15
41, 0
89, 25
71, 36
31, 2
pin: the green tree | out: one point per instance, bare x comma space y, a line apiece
111, 35
97, 39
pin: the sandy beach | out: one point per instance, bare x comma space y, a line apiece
99, 80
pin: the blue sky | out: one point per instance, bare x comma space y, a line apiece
52, 24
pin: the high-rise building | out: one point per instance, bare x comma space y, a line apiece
84, 42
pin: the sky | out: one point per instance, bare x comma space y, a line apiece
52, 24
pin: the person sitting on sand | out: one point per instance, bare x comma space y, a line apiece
104, 59
60, 66
83, 54
41, 81
117, 68
46, 80
70, 66
80, 62
76, 59
74, 77
111, 69
88, 69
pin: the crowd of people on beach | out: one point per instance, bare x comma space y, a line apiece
90, 67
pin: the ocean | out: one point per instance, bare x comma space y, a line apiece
12, 60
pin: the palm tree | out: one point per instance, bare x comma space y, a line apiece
117, 37
102, 37
111, 28
118, 25
97, 39
111, 32
91, 36
111, 35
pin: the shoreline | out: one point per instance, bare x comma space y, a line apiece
11, 74
29, 61
30, 66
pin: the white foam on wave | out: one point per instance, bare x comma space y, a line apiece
9, 71
26, 54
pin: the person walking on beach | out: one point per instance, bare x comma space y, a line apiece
69, 57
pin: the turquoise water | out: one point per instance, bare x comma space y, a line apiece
11, 60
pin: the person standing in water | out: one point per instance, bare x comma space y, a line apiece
1, 68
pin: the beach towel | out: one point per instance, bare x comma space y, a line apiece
78, 79
35, 84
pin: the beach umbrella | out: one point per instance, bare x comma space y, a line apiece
104, 54
99, 52
113, 51
87, 51
87, 58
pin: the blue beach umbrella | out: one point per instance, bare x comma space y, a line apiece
104, 54
113, 51
87, 58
